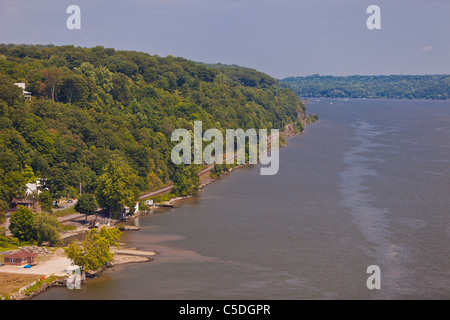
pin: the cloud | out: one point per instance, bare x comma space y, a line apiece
427, 48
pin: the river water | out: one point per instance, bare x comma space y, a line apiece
369, 184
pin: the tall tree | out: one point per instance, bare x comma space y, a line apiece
95, 250
8, 91
115, 185
72, 86
21, 224
52, 77
14, 185
86, 204
46, 228
186, 181
28, 174
45, 201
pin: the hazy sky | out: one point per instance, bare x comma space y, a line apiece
280, 37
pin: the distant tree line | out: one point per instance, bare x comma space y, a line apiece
381, 87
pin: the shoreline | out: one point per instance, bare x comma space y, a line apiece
46, 280
289, 132
134, 255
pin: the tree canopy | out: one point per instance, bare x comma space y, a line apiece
86, 204
34, 228
90, 105
21, 224
95, 251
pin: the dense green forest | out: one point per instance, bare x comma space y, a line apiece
99, 116
382, 87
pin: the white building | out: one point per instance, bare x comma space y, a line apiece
26, 94
33, 188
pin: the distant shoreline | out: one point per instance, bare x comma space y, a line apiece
308, 99
408, 87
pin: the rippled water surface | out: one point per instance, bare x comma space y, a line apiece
369, 184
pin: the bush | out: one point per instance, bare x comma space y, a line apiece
162, 198
21, 224
94, 252
68, 227
7, 243
143, 206
45, 201
46, 229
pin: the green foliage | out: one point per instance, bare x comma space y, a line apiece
112, 235
68, 227
313, 117
115, 185
46, 201
162, 198
29, 227
21, 224
9, 92
86, 204
13, 185
47, 229
219, 169
95, 251
8, 243
90, 104
39, 283
143, 206
298, 127
64, 212
186, 181
388, 87
154, 182
28, 174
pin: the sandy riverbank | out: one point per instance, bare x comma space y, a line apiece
130, 255
55, 264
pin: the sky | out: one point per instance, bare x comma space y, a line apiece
282, 38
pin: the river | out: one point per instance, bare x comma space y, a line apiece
369, 184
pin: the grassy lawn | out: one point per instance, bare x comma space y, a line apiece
162, 198
6, 245
65, 212
10, 283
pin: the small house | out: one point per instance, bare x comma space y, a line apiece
123, 213
149, 202
15, 203
20, 258
26, 94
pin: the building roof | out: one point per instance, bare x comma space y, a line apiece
14, 200
20, 254
20, 85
